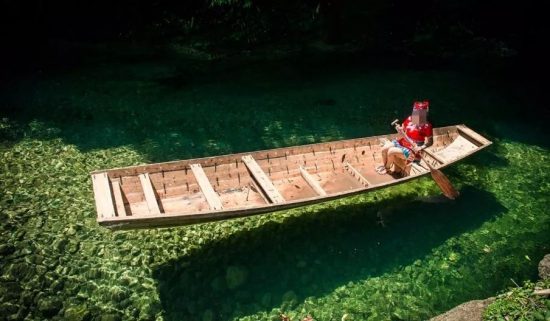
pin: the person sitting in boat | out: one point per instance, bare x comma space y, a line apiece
397, 154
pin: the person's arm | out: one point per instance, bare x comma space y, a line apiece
429, 137
428, 141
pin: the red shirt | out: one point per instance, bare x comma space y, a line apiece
416, 133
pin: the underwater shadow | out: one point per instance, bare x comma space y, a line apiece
175, 114
279, 265
492, 157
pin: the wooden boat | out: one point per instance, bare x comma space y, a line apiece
223, 187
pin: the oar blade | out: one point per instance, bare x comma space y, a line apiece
444, 184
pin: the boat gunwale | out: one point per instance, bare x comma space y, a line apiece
203, 160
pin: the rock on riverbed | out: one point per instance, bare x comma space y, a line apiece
469, 311
544, 267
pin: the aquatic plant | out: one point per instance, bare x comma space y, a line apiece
520, 303
398, 253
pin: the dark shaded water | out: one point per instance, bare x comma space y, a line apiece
316, 255
400, 253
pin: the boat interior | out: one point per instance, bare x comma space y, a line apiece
265, 178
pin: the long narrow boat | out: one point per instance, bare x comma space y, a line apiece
223, 187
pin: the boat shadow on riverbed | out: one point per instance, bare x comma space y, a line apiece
279, 265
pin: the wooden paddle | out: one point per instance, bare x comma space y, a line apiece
440, 179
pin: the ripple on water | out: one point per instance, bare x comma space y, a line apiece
391, 254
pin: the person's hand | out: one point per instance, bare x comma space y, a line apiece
416, 149
399, 129
383, 141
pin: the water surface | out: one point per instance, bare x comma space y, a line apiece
400, 253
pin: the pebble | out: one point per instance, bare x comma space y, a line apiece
235, 276
6, 249
49, 307
77, 313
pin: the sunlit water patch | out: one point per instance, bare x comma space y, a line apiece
399, 253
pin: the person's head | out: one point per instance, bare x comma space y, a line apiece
420, 112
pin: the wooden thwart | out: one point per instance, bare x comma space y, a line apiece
206, 188
312, 182
119, 201
473, 135
265, 183
434, 156
457, 148
419, 168
149, 193
355, 173
102, 191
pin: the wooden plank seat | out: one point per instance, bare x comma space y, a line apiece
480, 140
102, 191
261, 178
418, 169
456, 149
149, 193
434, 156
355, 173
312, 182
119, 200
206, 188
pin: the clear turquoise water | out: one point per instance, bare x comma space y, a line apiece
402, 253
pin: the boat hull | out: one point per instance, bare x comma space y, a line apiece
238, 185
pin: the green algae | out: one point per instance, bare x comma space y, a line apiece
401, 253
520, 303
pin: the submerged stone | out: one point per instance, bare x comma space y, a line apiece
77, 313
235, 276
149, 310
70, 230
21, 313
325, 102
49, 306
73, 246
117, 294
217, 284
8, 308
266, 299
208, 315
27, 297
20, 271
6, 249
39, 222
469, 311
35, 259
57, 285
110, 317
10, 290
289, 297
544, 267
301, 264
61, 244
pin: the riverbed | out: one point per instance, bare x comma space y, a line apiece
402, 253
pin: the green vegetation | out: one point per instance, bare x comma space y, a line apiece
521, 304
88, 85
433, 31
396, 254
